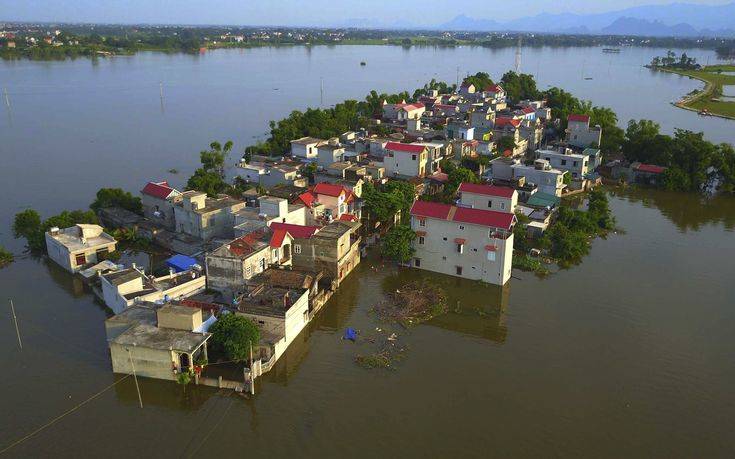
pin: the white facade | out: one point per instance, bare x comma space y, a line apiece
489, 197
461, 249
406, 163
547, 179
576, 164
305, 147
74, 247
580, 134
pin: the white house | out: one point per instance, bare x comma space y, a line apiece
305, 147
464, 242
329, 153
123, 288
158, 199
566, 160
406, 160
580, 134
488, 197
77, 246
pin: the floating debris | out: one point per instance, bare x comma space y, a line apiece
413, 304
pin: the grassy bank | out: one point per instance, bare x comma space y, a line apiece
709, 98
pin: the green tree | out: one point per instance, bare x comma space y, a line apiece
27, 224
115, 197
457, 176
481, 80
207, 182
5, 257
520, 86
213, 160
397, 244
381, 206
404, 191
505, 143
233, 334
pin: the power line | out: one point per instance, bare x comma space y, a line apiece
61, 416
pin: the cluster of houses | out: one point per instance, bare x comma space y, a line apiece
277, 254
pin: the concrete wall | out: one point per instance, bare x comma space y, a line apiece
150, 363
580, 135
164, 207
67, 260
168, 318
577, 165
438, 252
405, 164
484, 202
227, 275
548, 181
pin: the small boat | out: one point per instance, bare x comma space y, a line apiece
363, 63
587, 78
610, 50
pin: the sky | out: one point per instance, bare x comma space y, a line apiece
299, 12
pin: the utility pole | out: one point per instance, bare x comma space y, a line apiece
160, 85
7, 98
457, 84
321, 91
252, 372
518, 54
17, 330
135, 377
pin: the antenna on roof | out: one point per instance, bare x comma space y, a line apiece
518, 54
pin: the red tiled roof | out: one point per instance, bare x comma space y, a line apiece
307, 198
297, 231
278, 237
245, 245
528, 110
404, 147
650, 168
160, 190
487, 190
348, 218
445, 106
430, 209
482, 217
330, 189
459, 240
502, 122
578, 117
414, 106
489, 218
496, 88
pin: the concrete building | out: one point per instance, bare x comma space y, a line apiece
581, 134
158, 199
566, 160
541, 176
123, 288
160, 341
80, 245
333, 249
205, 218
405, 160
488, 197
281, 314
270, 209
330, 152
251, 172
464, 242
283, 174
306, 147
231, 265
328, 201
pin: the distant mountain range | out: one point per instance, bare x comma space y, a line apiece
676, 19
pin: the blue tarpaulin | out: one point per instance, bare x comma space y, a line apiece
180, 263
350, 334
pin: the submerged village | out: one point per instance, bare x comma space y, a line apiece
461, 180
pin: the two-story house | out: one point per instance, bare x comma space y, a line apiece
464, 242
488, 197
205, 218
405, 160
158, 199
581, 134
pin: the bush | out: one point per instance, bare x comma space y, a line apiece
115, 197
233, 334
397, 244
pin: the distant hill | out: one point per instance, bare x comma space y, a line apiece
676, 19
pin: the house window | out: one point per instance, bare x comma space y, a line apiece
417, 262
490, 255
574, 163
248, 271
458, 270
413, 157
422, 222
460, 248
80, 259
461, 227
421, 240
275, 254
490, 203
563, 162
297, 248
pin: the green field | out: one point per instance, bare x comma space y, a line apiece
709, 98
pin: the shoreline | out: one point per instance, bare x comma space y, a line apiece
706, 92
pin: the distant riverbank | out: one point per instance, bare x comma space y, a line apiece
707, 101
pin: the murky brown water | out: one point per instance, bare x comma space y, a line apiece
629, 354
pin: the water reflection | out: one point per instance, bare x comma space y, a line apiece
155, 392
688, 211
475, 308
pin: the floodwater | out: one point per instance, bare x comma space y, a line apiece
628, 354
